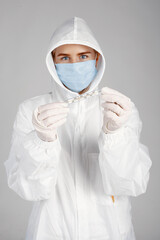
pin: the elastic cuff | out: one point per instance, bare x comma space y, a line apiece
107, 131
112, 139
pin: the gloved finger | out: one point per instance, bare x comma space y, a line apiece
52, 105
58, 123
116, 96
53, 119
110, 115
107, 90
52, 112
121, 101
116, 120
113, 107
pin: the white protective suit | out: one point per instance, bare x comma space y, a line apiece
71, 180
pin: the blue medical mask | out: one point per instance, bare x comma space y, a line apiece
77, 76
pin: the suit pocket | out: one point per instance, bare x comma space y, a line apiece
96, 190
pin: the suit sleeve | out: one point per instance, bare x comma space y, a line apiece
124, 161
32, 164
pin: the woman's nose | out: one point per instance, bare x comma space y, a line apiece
75, 59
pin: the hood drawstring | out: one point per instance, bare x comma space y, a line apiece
113, 198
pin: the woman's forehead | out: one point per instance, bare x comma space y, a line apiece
73, 47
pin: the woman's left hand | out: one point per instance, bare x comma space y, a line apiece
117, 109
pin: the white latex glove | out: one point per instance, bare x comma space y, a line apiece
117, 109
47, 118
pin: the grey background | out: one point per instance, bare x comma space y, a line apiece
129, 35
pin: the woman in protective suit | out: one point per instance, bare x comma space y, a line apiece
78, 161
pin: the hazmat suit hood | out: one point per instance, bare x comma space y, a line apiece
73, 31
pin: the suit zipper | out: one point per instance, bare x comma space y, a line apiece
76, 210
74, 157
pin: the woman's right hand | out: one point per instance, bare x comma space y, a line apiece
47, 118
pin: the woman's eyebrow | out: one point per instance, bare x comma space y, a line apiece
83, 53
67, 54
62, 54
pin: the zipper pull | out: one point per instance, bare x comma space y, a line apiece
113, 199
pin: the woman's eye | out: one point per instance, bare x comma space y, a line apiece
64, 58
84, 56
